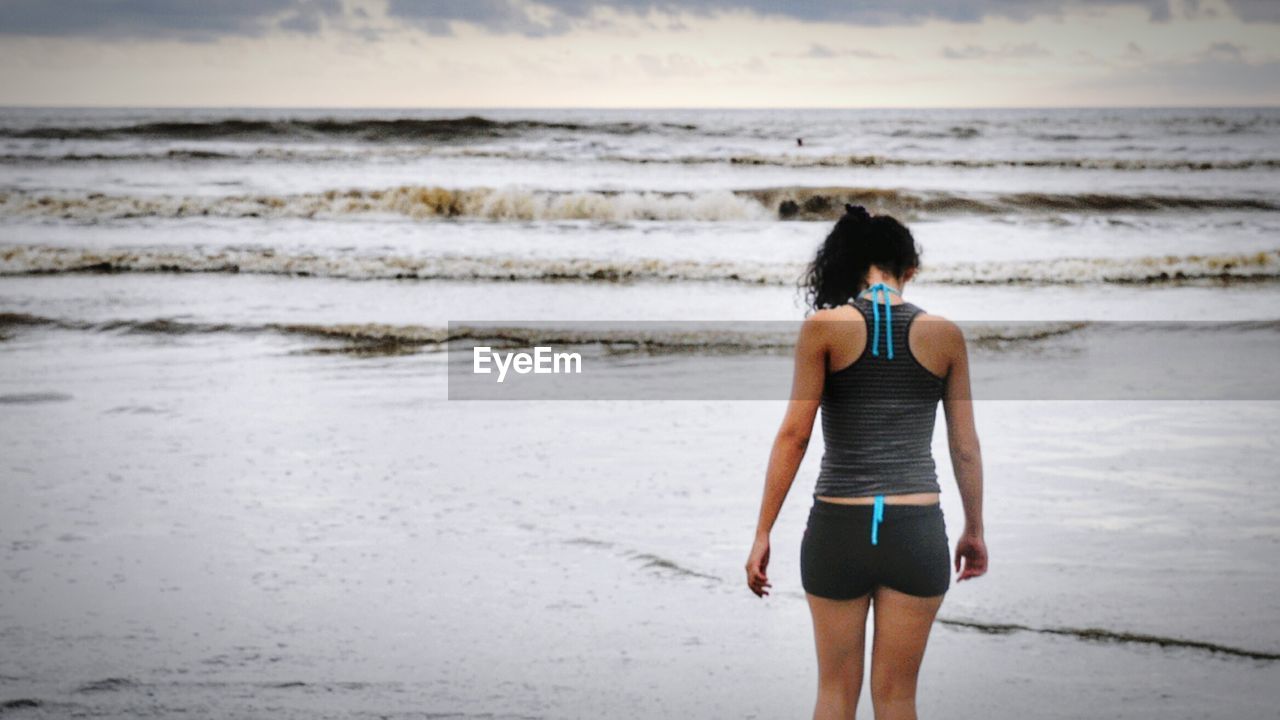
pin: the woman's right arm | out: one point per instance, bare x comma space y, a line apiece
790, 443
966, 456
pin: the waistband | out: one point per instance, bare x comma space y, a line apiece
823, 507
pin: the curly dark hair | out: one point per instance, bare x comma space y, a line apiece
858, 241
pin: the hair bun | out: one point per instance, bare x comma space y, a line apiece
857, 211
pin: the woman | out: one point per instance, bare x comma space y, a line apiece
877, 365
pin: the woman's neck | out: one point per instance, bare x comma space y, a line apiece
895, 285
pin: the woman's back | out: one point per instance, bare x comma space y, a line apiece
879, 408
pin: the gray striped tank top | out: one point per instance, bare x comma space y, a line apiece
878, 414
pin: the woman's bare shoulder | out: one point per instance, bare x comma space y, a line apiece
824, 320
938, 329
835, 314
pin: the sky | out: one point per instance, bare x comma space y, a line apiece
640, 53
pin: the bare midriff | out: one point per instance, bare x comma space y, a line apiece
924, 498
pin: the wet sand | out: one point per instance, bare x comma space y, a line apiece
229, 528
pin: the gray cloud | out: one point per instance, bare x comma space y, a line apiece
194, 20
533, 14
548, 17
307, 15
1225, 52
1007, 52
818, 51
209, 19
1256, 10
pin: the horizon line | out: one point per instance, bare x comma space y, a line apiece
81, 106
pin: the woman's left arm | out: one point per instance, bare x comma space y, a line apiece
791, 442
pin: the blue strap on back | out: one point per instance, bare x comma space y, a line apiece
876, 517
883, 291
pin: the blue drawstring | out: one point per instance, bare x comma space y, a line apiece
883, 291
875, 334
876, 517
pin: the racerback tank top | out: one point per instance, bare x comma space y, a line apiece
878, 414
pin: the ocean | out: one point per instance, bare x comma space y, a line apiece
235, 479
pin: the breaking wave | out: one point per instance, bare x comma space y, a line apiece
41, 259
1084, 163
365, 130
417, 202
955, 132
170, 155
654, 337
828, 203
525, 204
832, 160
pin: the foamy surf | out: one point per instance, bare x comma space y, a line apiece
33, 260
416, 202
843, 160
42, 260
778, 160
515, 203
468, 127
654, 337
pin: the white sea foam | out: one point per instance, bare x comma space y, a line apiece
643, 336
508, 203
40, 259
519, 203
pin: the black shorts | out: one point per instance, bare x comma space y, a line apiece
912, 553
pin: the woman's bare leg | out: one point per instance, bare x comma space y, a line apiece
902, 625
839, 631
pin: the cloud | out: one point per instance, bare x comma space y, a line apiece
307, 15
193, 20
822, 51
818, 51
1256, 10
1007, 52
548, 17
1224, 52
208, 19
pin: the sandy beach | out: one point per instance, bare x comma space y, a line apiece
250, 531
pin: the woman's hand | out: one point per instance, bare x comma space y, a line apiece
757, 566
973, 550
